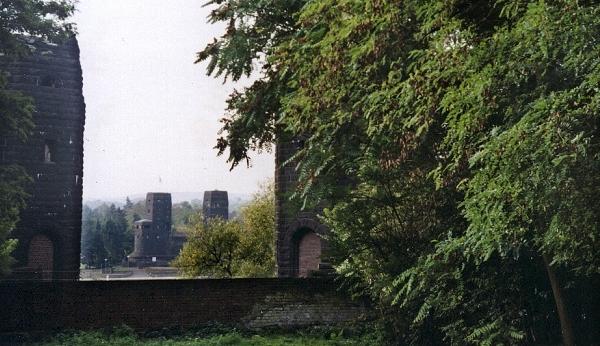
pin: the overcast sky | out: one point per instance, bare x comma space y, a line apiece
151, 114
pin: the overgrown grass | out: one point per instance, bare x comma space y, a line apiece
126, 337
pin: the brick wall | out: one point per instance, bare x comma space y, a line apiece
292, 223
52, 77
41, 256
41, 253
157, 304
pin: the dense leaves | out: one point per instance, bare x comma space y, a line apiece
106, 234
33, 18
13, 179
257, 239
243, 247
469, 133
21, 20
254, 29
211, 249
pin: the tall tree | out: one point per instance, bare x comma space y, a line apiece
211, 249
257, 238
242, 247
106, 233
128, 204
254, 30
469, 131
19, 19
96, 251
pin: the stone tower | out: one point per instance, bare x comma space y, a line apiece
299, 245
49, 229
159, 210
152, 243
215, 204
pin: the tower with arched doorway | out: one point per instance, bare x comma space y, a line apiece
301, 250
49, 229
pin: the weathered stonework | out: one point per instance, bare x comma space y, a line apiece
152, 238
156, 304
50, 227
215, 204
295, 228
292, 309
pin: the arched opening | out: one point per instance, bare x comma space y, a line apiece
40, 257
309, 252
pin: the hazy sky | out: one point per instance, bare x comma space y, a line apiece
151, 114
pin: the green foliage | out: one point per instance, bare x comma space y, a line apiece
17, 112
18, 20
127, 337
240, 247
35, 18
211, 249
105, 234
469, 133
257, 239
135, 211
13, 181
38, 19
183, 213
254, 30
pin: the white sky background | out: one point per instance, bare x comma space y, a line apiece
151, 114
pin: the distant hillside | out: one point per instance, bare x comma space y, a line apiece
236, 200
95, 203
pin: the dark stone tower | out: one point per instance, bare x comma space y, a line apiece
152, 246
49, 230
159, 210
299, 245
215, 204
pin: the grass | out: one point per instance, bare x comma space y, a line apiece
126, 337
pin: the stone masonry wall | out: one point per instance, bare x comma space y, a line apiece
41, 255
292, 224
215, 204
156, 304
52, 76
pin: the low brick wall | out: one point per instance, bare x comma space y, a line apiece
157, 304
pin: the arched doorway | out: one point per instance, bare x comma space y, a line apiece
40, 257
309, 253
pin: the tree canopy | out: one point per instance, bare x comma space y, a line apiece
242, 247
470, 133
106, 233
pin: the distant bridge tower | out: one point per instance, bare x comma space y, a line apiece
152, 246
159, 210
215, 204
